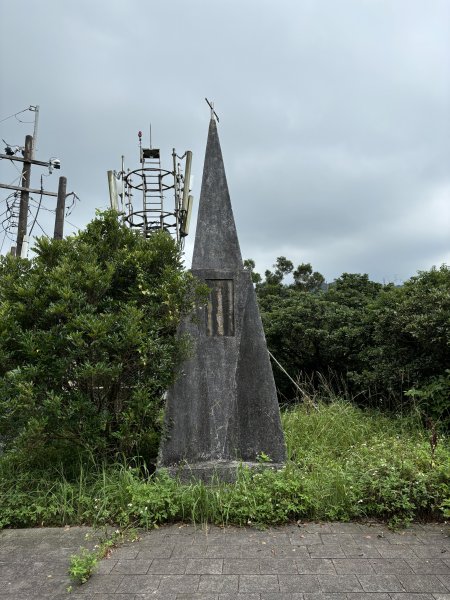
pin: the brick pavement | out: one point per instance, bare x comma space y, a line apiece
330, 561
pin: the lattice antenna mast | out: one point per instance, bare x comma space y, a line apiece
152, 211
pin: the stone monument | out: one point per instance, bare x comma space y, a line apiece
223, 409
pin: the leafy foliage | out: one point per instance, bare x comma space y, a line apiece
377, 341
87, 343
344, 463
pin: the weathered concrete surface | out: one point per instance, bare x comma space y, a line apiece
223, 408
330, 561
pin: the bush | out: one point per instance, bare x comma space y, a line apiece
343, 464
88, 345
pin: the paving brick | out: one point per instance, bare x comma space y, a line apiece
125, 553
337, 538
441, 538
397, 551
346, 528
167, 566
301, 538
258, 583
104, 583
219, 583
404, 538
204, 566
430, 551
244, 566
429, 566
412, 596
138, 584
368, 596
239, 596
380, 583
149, 553
132, 567
314, 566
413, 565
232, 551
182, 584
197, 596
106, 566
281, 596
75, 596
349, 565
361, 551
155, 595
316, 527
324, 596
189, 551
271, 566
423, 584
445, 579
339, 583
285, 551
326, 551
390, 565
374, 539
299, 583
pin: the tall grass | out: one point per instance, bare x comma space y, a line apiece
344, 463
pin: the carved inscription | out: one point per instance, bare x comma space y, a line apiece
220, 308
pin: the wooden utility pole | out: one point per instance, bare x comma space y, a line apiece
24, 194
60, 208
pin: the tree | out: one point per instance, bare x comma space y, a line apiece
306, 279
410, 346
282, 267
88, 344
249, 265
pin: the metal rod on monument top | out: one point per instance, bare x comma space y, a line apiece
213, 112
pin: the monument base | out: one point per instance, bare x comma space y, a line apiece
216, 471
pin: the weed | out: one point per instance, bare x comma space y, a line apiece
343, 463
82, 565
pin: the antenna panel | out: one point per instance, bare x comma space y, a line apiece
184, 229
187, 180
113, 197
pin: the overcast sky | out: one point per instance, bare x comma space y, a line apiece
334, 116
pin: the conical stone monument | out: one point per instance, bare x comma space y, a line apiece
223, 409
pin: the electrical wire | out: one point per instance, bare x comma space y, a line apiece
37, 223
3, 241
37, 210
76, 226
14, 115
15, 166
20, 120
70, 208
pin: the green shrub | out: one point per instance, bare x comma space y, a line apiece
88, 344
343, 464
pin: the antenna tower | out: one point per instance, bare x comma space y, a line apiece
153, 198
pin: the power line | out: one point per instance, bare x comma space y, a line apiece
3, 241
37, 223
76, 226
15, 115
37, 212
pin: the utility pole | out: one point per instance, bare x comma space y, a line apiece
25, 190
60, 208
24, 194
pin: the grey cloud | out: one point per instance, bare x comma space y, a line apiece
334, 116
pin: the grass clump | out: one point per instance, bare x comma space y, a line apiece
357, 464
343, 463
